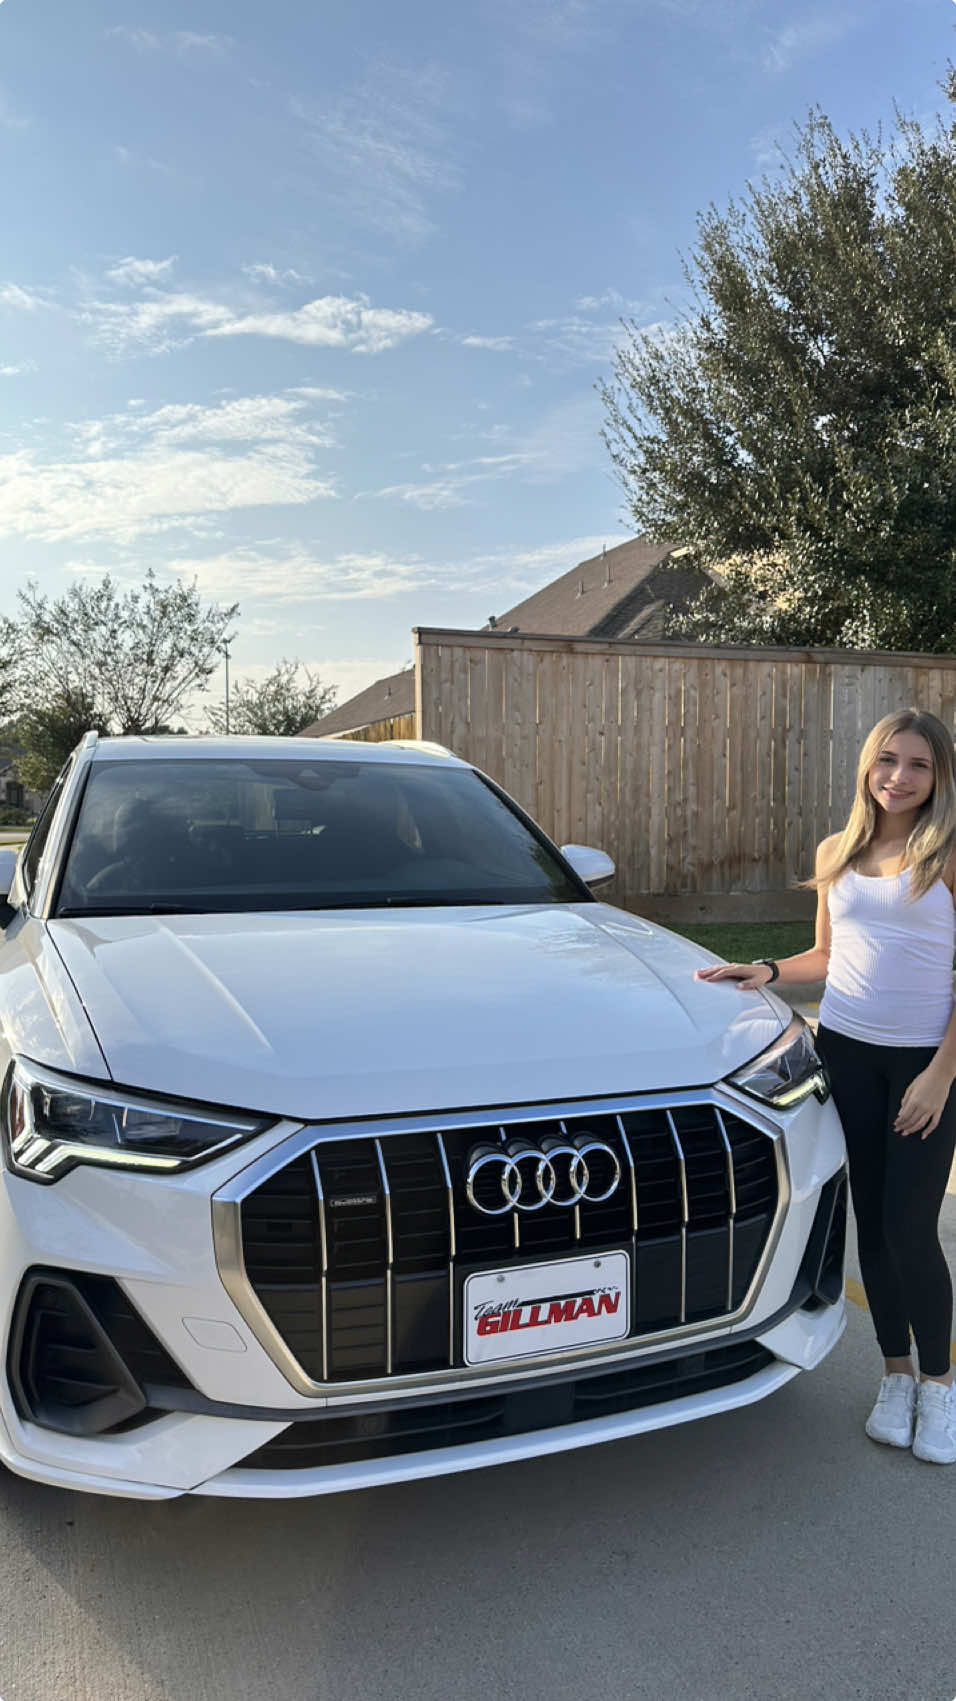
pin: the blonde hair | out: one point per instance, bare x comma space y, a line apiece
932, 841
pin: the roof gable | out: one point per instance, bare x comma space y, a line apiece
590, 595
379, 702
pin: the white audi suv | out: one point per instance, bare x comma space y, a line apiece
348, 1137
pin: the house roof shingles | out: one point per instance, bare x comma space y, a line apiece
588, 596
378, 702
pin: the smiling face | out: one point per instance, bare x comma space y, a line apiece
901, 778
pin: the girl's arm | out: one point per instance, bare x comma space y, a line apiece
925, 1098
806, 965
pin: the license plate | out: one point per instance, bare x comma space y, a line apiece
546, 1308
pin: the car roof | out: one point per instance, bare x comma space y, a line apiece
239, 748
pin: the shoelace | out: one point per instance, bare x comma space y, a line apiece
886, 1394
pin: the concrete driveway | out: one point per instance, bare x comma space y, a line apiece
772, 1552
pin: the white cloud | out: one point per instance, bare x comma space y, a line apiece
17, 371
123, 499
247, 419
385, 147
188, 41
135, 474
455, 487
332, 321
182, 43
767, 146
585, 336
161, 320
156, 321
430, 498
144, 41
500, 345
808, 36
10, 119
133, 271
263, 271
11, 295
297, 574
565, 441
134, 161
316, 393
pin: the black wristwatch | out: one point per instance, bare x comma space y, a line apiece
768, 963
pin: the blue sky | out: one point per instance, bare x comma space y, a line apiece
308, 302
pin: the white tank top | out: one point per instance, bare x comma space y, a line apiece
890, 979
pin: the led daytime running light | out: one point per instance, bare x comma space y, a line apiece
787, 1072
52, 1122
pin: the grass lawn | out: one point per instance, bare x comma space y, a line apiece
743, 942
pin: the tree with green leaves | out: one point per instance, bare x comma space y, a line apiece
289, 699
797, 427
47, 732
9, 668
131, 658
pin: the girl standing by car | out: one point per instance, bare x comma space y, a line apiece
884, 941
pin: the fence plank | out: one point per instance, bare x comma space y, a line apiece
704, 815
611, 793
629, 804
477, 751
760, 839
521, 728
657, 793
776, 859
641, 758
719, 751
560, 745
690, 767
673, 775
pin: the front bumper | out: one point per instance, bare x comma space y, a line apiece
239, 1420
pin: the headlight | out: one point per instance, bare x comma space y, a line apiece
787, 1072
51, 1123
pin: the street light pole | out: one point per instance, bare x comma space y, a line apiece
225, 651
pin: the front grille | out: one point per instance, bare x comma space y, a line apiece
491, 1417
358, 1249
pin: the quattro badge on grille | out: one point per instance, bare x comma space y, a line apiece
520, 1176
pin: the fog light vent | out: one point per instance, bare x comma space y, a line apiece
822, 1268
65, 1370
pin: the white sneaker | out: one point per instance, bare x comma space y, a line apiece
892, 1418
935, 1439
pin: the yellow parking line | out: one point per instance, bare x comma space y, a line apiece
854, 1291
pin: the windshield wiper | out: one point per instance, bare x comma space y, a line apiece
76, 913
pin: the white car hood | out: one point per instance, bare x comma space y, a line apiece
365, 1013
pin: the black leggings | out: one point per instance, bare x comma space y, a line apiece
897, 1184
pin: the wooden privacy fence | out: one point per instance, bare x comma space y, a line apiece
709, 775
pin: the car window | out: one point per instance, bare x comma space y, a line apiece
36, 843
231, 834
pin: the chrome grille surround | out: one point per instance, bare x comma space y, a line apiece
308, 1140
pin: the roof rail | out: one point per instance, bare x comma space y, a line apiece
89, 741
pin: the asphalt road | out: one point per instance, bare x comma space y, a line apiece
771, 1552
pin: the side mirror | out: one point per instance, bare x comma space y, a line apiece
8, 869
592, 866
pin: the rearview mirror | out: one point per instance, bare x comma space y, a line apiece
591, 866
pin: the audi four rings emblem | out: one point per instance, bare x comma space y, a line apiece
526, 1177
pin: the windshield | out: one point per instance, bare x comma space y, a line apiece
209, 835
